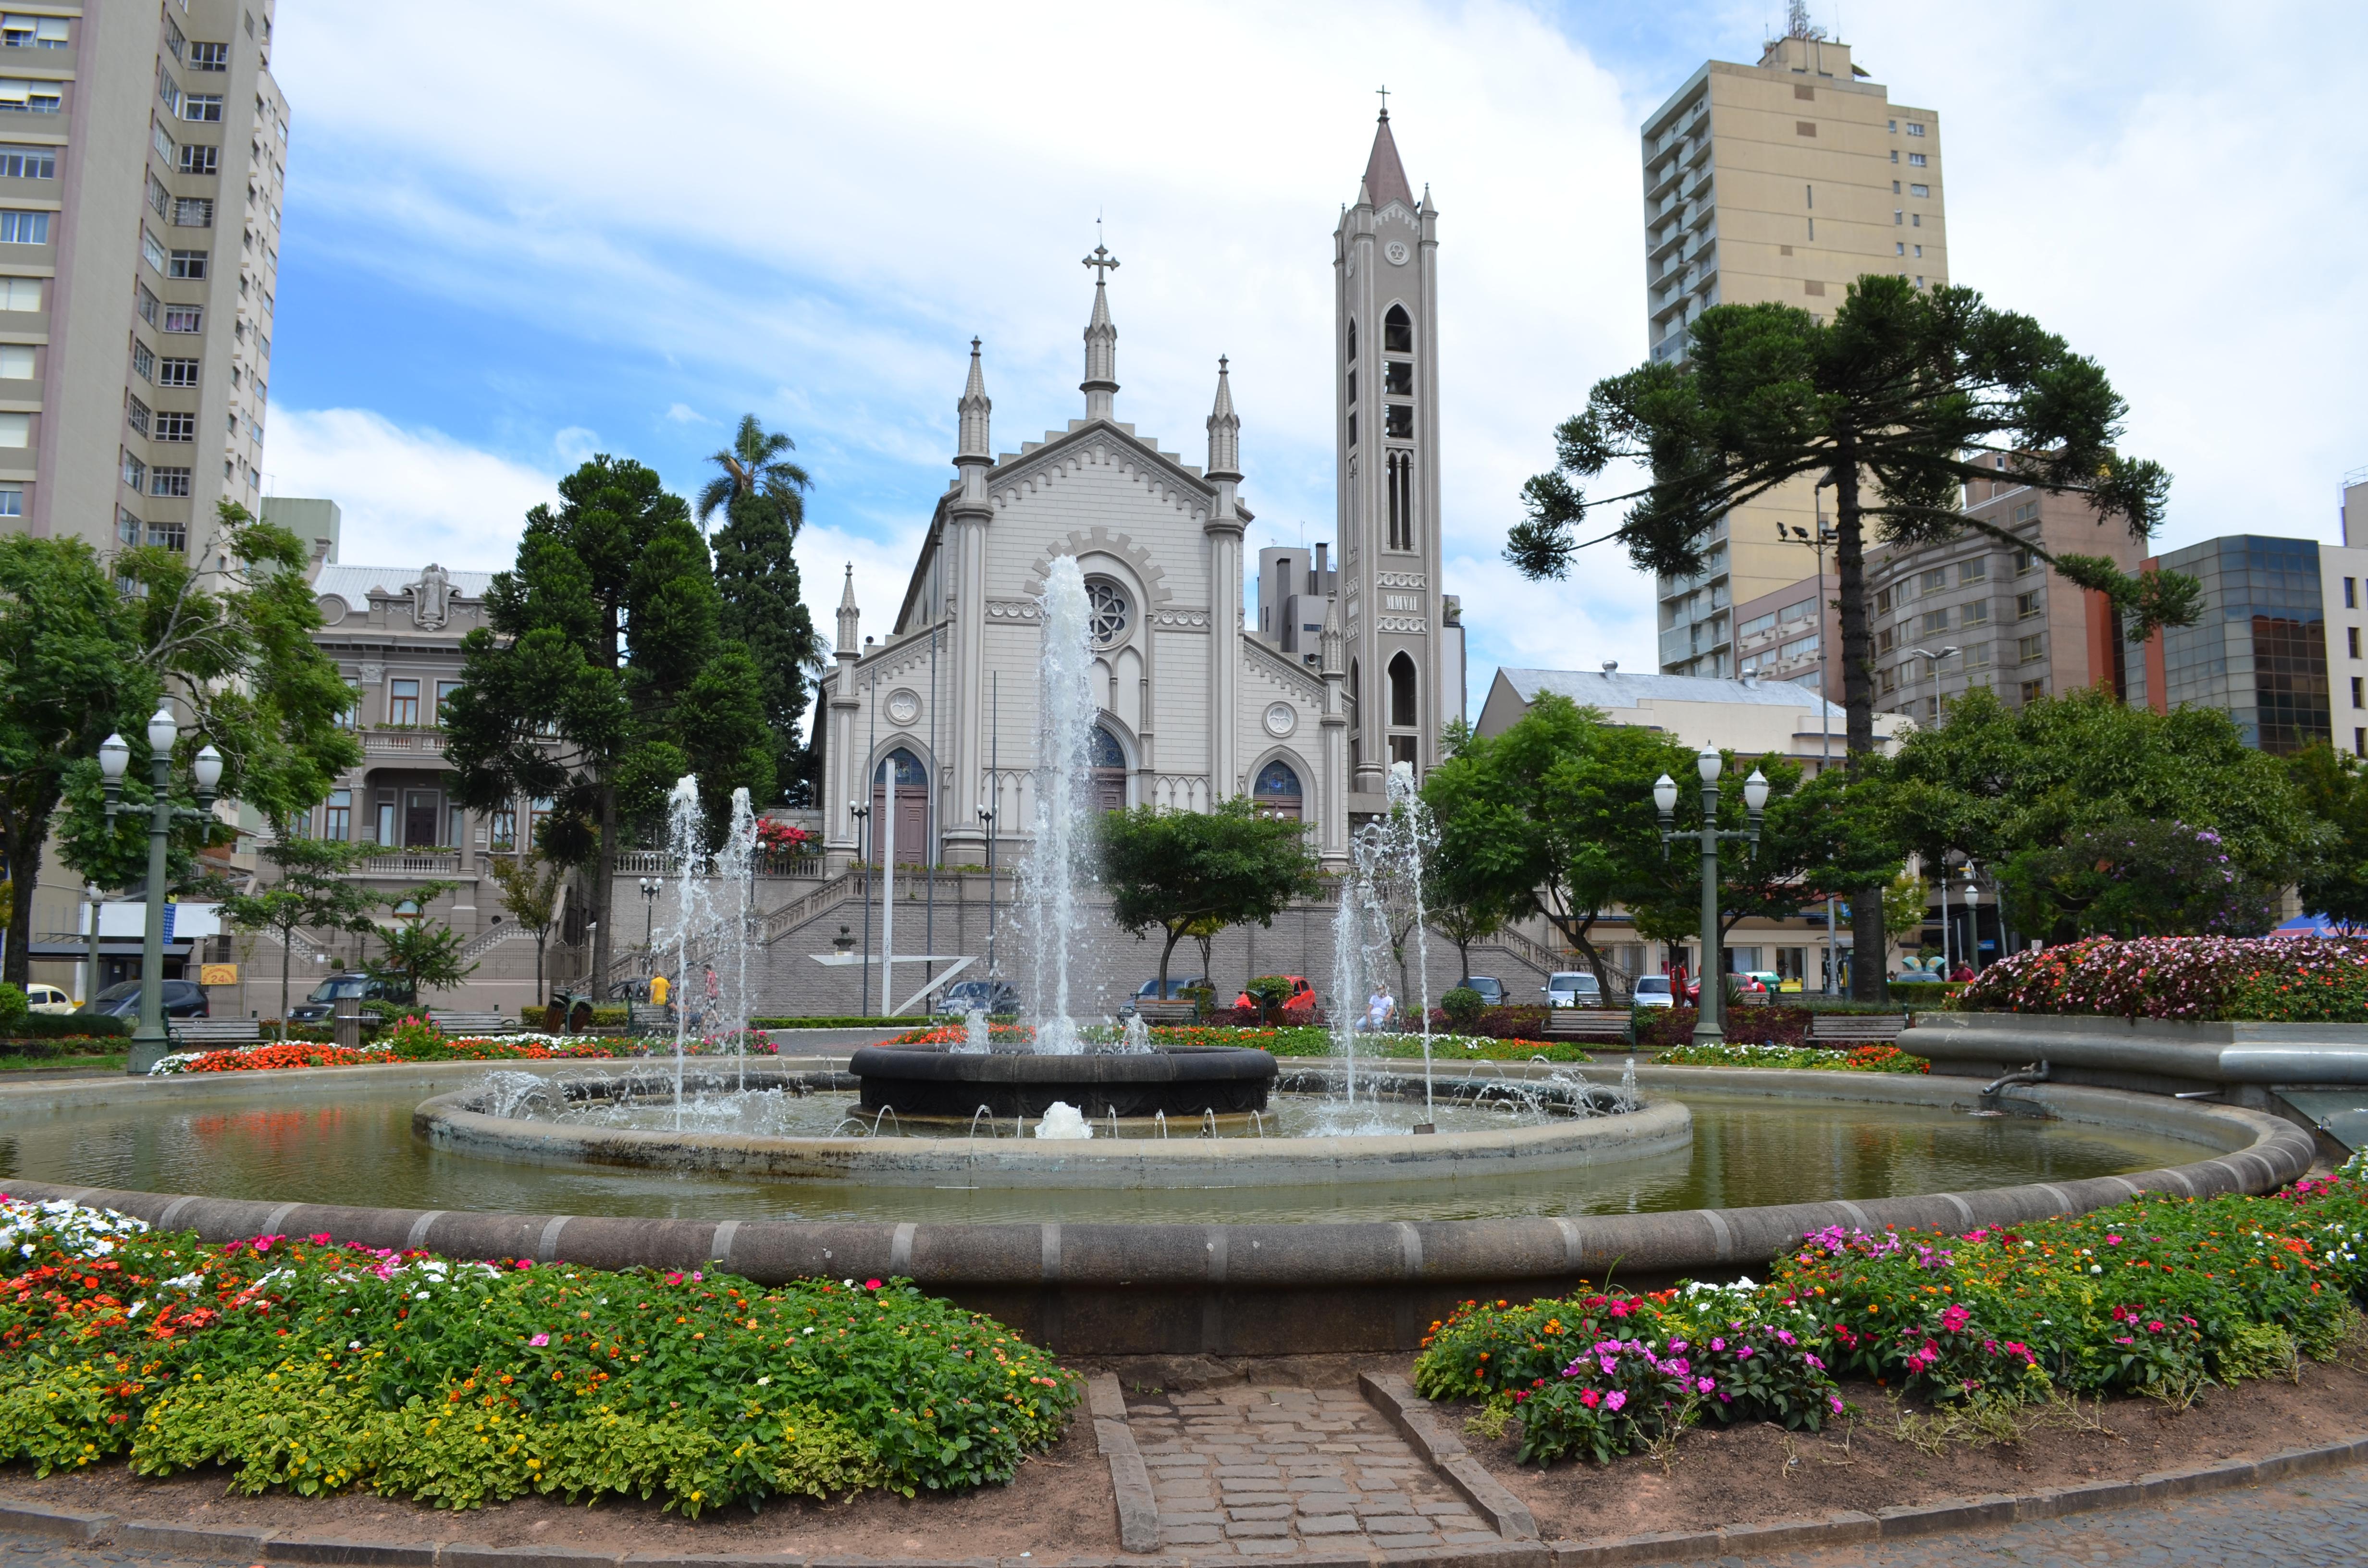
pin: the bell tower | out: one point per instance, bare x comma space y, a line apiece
1401, 678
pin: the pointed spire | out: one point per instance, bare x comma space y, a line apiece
850, 619
1224, 431
1100, 385
1330, 643
1386, 178
975, 407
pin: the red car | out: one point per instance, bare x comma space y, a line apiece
1299, 1009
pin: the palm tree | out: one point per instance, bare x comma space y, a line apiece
753, 465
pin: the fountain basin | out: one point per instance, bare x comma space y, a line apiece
1180, 1081
467, 1122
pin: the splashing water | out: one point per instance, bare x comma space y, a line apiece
1059, 862
687, 841
1380, 915
1135, 1040
736, 866
1062, 1119
974, 1035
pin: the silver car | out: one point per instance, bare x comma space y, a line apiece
1653, 991
1573, 988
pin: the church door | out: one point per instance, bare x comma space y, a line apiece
1275, 793
912, 821
1110, 771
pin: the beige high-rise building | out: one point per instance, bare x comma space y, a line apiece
142, 160
1784, 181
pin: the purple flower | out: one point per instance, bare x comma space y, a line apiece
540, 1339
1614, 1399
1703, 1385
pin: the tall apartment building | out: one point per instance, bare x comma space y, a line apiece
2259, 651
1784, 181
144, 154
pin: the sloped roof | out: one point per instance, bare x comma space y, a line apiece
1386, 178
1595, 688
355, 584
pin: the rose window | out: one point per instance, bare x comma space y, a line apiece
1108, 611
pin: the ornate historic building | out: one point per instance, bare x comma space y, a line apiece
1198, 702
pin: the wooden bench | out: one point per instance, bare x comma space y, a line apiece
1168, 1014
648, 1018
1856, 1029
198, 1034
472, 1024
1590, 1023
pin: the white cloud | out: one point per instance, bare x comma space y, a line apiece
576, 445
406, 496
683, 414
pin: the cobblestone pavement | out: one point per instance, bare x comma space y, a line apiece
1270, 1472
2318, 1521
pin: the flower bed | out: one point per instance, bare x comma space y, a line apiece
2162, 1295
413, 1041
1870, 1057
2273, 979
315, 1367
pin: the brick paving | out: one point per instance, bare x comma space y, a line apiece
1272, 1472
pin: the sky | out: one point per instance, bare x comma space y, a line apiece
601, 228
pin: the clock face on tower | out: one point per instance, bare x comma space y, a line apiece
1398, 253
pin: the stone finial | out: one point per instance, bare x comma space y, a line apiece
974, 408
1331, 644
850, 619
1224, 431
1100, 385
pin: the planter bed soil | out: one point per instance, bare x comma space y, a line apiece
1058, 1505
1753, 1475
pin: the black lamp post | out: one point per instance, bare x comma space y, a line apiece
987, 816
1665, 797
148, 1041
650, 886
862, 815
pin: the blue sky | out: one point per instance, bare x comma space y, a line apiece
585, 231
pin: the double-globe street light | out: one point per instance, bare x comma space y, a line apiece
148, 1042
1755, 798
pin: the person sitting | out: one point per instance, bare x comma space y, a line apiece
1379, 1006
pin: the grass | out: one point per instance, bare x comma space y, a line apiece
113, 1061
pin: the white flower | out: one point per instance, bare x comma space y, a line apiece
354, 1345
2096, 1268
764, 1381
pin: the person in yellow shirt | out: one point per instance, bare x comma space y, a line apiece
657, 991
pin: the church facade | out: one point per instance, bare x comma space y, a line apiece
930, 745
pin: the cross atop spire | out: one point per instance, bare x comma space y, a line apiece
1386, 101
1100, 385
1103, 264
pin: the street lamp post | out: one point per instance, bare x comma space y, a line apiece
1755, 799
1822, 538
987, 816
862, 815
650, 886
148, 1042
1935, 656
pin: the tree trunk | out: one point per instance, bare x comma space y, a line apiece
24, 851
603, 875
286, 960
1868, 939
1175, 935
539, 937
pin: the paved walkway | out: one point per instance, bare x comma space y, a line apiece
1270, 1472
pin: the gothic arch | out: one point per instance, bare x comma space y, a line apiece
1305, 773
1396, 321
1405, 693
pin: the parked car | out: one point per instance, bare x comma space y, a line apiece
1491, 989
1751, 988
45, 998
1653, 991
183, 999
1176, 990
323, 1002
1299, 1009
1573, 988
991, 996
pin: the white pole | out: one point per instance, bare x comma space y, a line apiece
888, 893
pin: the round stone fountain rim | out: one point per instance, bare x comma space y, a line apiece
451, 1122
1225, 1288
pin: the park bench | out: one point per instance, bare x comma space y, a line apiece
1856, 1029
202, 1034
1590, 1023
472, 1024
1167, 1012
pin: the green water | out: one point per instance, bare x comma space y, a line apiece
356, 1145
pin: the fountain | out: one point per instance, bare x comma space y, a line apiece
1382, 909
1124, 1075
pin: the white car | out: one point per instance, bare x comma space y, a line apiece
1653, 991
42, 998
1573, 988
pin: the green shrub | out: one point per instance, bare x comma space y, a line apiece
13, 1006
69, 1026
1464, 1006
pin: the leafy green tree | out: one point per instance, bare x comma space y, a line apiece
87, 647
531, 888
1170, 871
1905, 905
420, 955
2144, 876
1554, 817
761, 493
312, 890
2011, 788
1897, 402
2334, 789
603, 674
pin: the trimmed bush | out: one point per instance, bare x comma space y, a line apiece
68, 1026
1462, 1007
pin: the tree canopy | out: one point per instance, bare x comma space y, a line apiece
2335, 790
88, 647
1904, 397
761, 494
312, 890
1174, 870
603, 674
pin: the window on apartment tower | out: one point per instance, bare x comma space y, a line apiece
2359, 698
402, 702
193, 212
168, 481
337, 816
135, 414
209, 57
2352, 636
24, 228
2032, 649
1914, 159
176, 372
2351, 588
135, 472
188, 264
2032, 690
144, 360
184, 318
30, 97
2031, 605
204, 107
29, 163
197, 159
177, 426
1915, 127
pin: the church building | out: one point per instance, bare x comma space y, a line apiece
1199, 701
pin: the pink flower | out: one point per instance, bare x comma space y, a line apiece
1836, 1401
1590, 1399
1615, 1399
1703, 1385
525, 1262
321, 1239
540, 1339
868, 1284
1954, 1319
673, 1279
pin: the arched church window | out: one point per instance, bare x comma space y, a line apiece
1397, 331
1356, 735
1352, 340
1403, 707
1108, 612
1277, 793
1109, 759
1399, 487
909, 819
